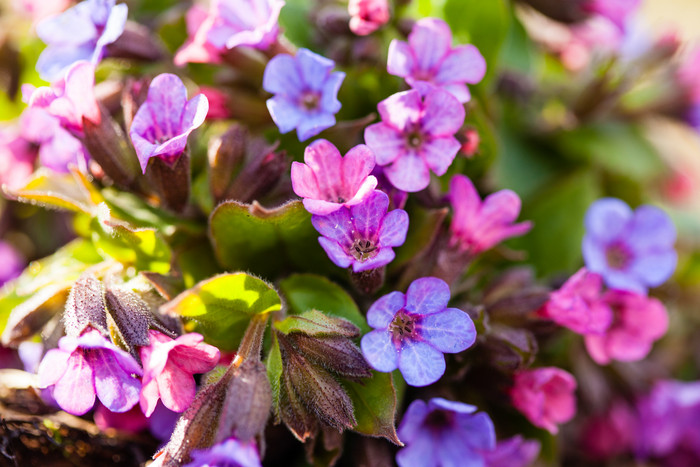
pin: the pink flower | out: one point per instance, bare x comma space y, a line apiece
416, 136
617, 11
478, 226
328, 181
218, 103
168, 366
637, 322
70, 99
367, 15
197, 48
244, 22
545, 396
610, 434
17, 157
577, 304
40, 9
428, 59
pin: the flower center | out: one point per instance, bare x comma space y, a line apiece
363, 249
423, 75
414, 139
439, 419
617, 256
403, 325
310, 100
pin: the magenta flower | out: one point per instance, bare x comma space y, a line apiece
11, 262
230, 453
607, 435
79, 33
444, 433
244, 22
416, 136
168, 366
329, 181
162, 124
69, 99
87, 365
362, 236
428, 59
17, 157
366, 16
631, 250
638, 321
412, 331
513, 452
577, 305
197, 48
617, 11
545, 396
478, 226
305, 92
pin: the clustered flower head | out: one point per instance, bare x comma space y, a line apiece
412, 331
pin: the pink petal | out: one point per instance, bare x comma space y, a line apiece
462, 64
52, 367
400, 61
386, 141
430, 40
149, 397
304, 181
408, 173
75, 391
401, 110
320, 207
365, 189
195, 359
176, 387
356, 167
439, 153
80, 91
444, 114
325, 161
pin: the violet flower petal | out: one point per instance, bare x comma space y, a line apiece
382, 312
449, 331
379, 350
427, 295
420, 363
75, 391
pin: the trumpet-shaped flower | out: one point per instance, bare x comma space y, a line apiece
79, 33
328, 181
412, 331
164, 121
545, 396
443, 433
363, 235
416, 136
428, 59
305, 92
84, 366
631, 250
478, 226
168, 369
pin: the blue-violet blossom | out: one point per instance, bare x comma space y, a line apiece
305, 92
412, 331
228, 453
631, 250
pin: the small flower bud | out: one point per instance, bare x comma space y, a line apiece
85, 306
226, 155
131, 317
337, 354
172, 183
259, 177
136, 42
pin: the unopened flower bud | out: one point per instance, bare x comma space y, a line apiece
259, 177
136, 42
335, 353
85, 306
226, 155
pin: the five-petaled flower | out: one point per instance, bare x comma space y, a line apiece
87, 365
363, 235
168, 369
631, 250
328, 181
244, 22
164, 121
428, 59
79, 33
442, 433
478, 226
416, 136
545, 396
305, 92
412, 331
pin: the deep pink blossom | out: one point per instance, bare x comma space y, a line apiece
638, 321
609, 434
416, 136
244, 22
218, 103
197, 48
577, 305
545, 396
428, 59
168, 366
88, 365
617, 11
17, 157
366, 16
165, 120
478, 226
328, 181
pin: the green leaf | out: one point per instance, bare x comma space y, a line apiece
304, 292
315, 323
374, 401
223, 305
266, 241
294, 20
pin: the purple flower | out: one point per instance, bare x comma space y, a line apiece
244, 22
362, 236
444, 433
230, 453
164, 121
329, 181
305, 92
416, 136
428, 59
513, 452
412, 331
631, 250
11, 262
79, 33
82, 366
17, 157
478, 226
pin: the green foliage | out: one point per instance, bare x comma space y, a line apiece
374, 401
223, 305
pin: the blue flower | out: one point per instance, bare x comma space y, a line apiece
230, 453
305, 92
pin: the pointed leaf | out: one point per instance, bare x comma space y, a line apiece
374, 401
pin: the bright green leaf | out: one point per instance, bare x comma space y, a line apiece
374, 401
